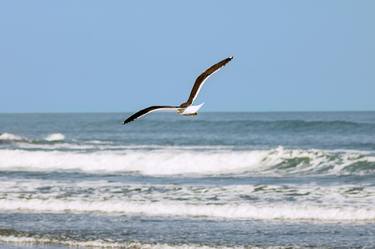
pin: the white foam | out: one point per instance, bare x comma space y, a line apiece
286, 201
168, 162
184, 162
10, 137
226, 211
125, 245
54, 137
331, 197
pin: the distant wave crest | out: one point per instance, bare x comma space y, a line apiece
55, 137
286, 125
10, 138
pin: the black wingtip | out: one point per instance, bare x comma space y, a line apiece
227, 60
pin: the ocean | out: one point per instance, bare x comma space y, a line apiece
216, 180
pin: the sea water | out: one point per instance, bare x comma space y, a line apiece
216, 180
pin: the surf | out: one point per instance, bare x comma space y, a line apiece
168, 162
15, 138
176, 209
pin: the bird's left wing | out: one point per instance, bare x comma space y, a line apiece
149, 110
203, 77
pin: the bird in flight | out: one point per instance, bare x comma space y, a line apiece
186, 108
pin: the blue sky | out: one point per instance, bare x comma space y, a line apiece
115, 56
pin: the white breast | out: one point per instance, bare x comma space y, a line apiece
192, 109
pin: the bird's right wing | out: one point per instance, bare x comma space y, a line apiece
149, 110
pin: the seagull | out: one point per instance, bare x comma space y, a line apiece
186, 108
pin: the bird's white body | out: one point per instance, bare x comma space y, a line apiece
191, 110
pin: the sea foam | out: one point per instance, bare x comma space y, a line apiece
145, 162
169, 208
54, 137
277, 161
30, 240
10, 137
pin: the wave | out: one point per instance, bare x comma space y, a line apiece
10, 138
176, 209
23, 238
169, 162
278, 161
94, 145
294, 125
335, 196
308, 125
55, 137
286, 201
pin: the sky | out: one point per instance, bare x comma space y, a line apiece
119, 56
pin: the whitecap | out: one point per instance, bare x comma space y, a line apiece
55, 137
168, 162
11, 137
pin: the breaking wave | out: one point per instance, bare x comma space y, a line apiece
278, 161
10, 137
226, 211
55, 137
15, 237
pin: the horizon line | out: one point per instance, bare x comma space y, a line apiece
107, 112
